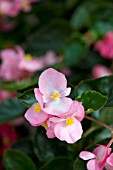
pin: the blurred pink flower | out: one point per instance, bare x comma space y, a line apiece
99, 158
6, 94
105, 46
13, 7
53, 87
101, 71
9, 69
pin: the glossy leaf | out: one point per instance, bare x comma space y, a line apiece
14, 159
45, 148
10, 109
28, 98
92, 100
103, 85
59, 163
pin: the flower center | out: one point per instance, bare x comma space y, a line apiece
55, 96
26, 4
44, 124
69, 121
37, 108
6, 141
28, 57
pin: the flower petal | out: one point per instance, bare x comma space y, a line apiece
51, 81
110, 160
35, 118
70, 134
92, 165
38, 96
66, 92
58, 107
85, 155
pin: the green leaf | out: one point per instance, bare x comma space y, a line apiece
103, 85
92, 100
10, 109
51, 37
79, 164
106, 115
59, 163
17, 85
28, 97
14, 159
75, 49
45, 148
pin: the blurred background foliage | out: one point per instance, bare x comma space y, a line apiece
70, 28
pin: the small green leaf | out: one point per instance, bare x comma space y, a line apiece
60, 163
14, 159
10, 109
92, 101
28, 97
103, 85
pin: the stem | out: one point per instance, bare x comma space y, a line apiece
110, 143
100, 123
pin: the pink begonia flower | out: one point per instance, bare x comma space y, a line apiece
98, 158
9, 69
53, 87
68, 128
105, 46
101, 71
35, 114
6, 95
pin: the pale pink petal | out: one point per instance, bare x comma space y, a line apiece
108, 167
38, 96
20, 51
85, 155
110, 160
35, 118
59, 107
92, 165
66, 92
77, 110
50, 133
51, 81
70, 134
100, 71
56, 119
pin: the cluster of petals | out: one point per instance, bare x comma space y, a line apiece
13, 7
105, 46
16, 65
59, 114
101, 71
99, 159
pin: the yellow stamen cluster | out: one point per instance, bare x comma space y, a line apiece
26, 4
28, 57
6, 140
69, 121
37, 108
55, 96
44, 124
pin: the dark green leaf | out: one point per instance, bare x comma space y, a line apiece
75, 49
14, 159
28, 98
10, 109
106, 115
92, 100
79, 164
103, 85
49, 38
60, 163
45, 148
